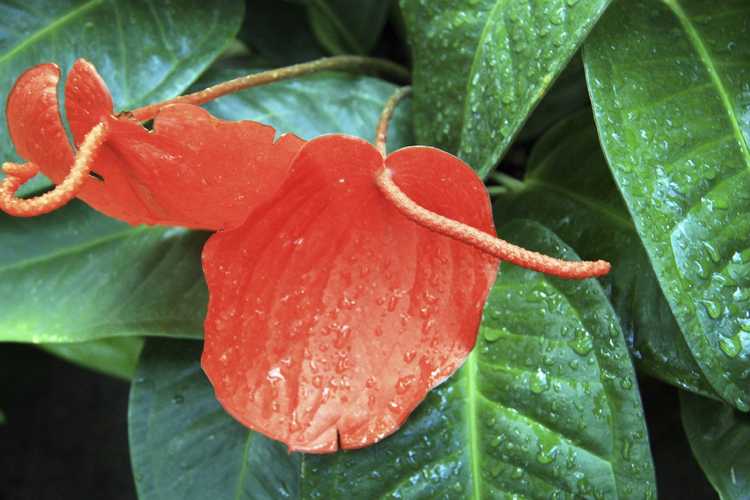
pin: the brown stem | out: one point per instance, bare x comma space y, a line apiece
341, 63
381, 135
17, 174
485, 242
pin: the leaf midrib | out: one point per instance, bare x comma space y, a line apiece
699, 46
471, 368
60, 21
584, 200
243, 469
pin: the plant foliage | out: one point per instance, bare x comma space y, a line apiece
639, 153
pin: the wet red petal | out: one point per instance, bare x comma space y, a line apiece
34, 121
331, 315
193, 170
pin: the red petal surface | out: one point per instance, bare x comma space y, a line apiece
331, 315
34, 121
193, 170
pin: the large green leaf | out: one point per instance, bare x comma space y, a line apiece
720, 439
346, 27
545, 406
569, 188
480, 67
145, 51
75, 276
117, 356
669, 86
567, 96
313, 105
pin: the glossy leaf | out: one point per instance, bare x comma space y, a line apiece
345, 27
145, 52
567, 96
668, 82
313, 105
293, 44
569, 188
481, 67
546, 404
76, 276
331, 315
115, 356
720, 439
184, 446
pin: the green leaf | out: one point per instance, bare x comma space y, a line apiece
479, 69
313, 105
280, 33
569, 188
75, 276
720, 439
565, 97
117, 356
668, 82
145, 51
346, 27
3, 420
547, 404
184, 446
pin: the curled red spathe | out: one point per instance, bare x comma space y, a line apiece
192, 170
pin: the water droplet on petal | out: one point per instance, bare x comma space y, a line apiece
404, 383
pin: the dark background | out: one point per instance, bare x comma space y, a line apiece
66, 433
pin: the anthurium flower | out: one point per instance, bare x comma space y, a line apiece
336, 306
344, 283
191, 170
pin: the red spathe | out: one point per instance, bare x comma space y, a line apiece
192, 170
331, 315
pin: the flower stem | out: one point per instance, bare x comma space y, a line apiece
486, 242
509, 182
355, 64
381, 135
497, 190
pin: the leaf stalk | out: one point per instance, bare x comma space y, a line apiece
353, 64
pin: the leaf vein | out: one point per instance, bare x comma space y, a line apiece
700, 47
60, 21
